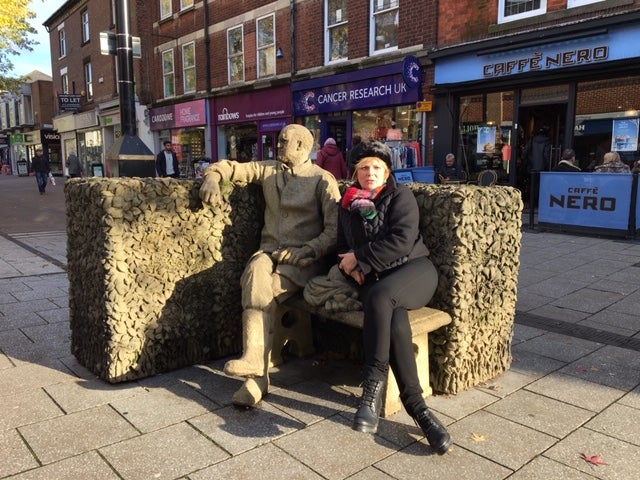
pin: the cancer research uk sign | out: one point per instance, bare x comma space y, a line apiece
597, 200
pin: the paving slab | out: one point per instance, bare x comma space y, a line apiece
82, 467
76, 433
576, 391
267, 461
500, 440
559, 347
541, 413
545, 468
418, 462
622, 458
164, 454
30, 406
237, 430
588, 300
334, 450
16, 456
619, 421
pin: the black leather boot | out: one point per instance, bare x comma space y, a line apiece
368, 413
436, 433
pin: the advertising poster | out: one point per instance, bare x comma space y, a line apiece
599, 200
486, 140
625, 135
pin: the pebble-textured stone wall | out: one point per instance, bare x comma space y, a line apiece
154, 275
474, 235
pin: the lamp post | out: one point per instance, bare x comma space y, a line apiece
128, 156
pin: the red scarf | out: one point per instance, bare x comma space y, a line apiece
362, 200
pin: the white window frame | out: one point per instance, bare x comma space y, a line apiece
338, 24
231, 57
88, 81
165, 9
166, 74
268, 49
86, 32
62, 41
185, 4
580, 3
390, 6
510, 18
188, 68
64, 80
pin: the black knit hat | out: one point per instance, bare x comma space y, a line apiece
371, 149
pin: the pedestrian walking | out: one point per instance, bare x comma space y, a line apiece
40, 166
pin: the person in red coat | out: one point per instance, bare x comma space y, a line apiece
330, 158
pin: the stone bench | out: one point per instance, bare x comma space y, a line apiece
293, 328
154, 276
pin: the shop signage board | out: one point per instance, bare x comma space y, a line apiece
591, 200
179, 115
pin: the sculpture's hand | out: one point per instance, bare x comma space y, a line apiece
210, 189
298, 256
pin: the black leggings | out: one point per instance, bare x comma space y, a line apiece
387, 331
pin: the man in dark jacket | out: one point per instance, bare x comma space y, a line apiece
567, 163
167, 162
40, 166
538, 151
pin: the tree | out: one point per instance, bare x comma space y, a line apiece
14, 38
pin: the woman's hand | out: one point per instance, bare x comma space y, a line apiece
349, 265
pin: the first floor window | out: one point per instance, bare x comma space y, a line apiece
266, 46
384, 25
88, 80
337, 33
168, 74
579, 3
64, 79
235, 54
165, 9
62, 38
185, 4
189, 67
516, 9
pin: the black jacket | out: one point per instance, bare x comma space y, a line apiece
161, 166
394, 241
39, 163
537, 153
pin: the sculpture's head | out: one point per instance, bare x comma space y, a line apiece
294, 144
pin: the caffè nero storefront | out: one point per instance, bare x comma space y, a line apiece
581, 81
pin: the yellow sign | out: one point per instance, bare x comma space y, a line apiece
424, 106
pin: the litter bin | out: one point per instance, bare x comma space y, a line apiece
97, 170
23, 168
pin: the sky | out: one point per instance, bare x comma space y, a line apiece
40, 57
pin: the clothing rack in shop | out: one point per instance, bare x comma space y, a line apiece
405, 153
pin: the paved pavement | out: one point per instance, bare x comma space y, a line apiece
573, 390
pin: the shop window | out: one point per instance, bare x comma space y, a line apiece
337, 30
189, 67
84, 17
88, 81
238, 142
486, 134
235, 54
607, 118
579, 3
62, 40
165, 9
510, 10
90, 149
384, 25
266, 46
168, 74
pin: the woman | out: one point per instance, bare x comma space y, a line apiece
381, 249
330, 158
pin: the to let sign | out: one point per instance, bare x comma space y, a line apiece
69, 101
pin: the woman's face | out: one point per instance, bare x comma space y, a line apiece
371, 173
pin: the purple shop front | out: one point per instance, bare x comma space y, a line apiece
257, 106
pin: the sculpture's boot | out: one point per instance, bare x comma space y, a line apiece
257, 339
251, 392
436, 433
368, 413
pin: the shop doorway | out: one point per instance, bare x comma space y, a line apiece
532, 120
337, 129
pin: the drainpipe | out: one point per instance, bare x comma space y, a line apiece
293, 36
207, 44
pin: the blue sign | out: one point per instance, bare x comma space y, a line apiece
611, 46
373, 92
600, 200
